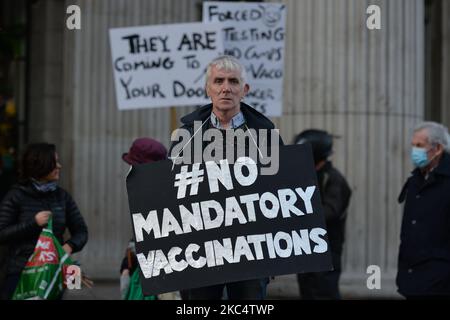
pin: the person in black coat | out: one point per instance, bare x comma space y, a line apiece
424, 255
335, 195
27, 207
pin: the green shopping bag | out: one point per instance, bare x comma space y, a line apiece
135, 290
44, 275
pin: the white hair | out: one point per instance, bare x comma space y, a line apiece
437, 134
228, 63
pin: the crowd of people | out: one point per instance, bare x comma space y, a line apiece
424, 253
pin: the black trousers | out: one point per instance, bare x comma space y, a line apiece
240, 290
320, 285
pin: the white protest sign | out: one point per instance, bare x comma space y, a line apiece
254, 33
164, 65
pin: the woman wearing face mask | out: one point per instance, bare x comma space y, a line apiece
424, 255
27, 207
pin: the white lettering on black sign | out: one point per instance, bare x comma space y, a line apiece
223, 221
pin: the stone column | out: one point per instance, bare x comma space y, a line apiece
366, 86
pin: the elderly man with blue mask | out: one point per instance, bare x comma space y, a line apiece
424, 255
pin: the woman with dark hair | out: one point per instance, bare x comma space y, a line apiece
27, 207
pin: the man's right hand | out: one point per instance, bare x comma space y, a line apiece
42, 217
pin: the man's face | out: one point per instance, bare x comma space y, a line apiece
226, 90
420, 140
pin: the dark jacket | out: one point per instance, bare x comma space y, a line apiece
254, 120
335, 194
424, 255
19, 230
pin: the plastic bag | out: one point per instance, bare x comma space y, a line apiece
135, 289
44, 275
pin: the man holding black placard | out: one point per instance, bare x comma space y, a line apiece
226, 86
219, 222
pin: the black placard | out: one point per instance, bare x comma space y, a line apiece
152, 191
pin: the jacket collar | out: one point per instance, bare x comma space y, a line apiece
443, 168
30, 189
237, 121
253, 118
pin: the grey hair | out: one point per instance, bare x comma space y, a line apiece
437, 134
228, 63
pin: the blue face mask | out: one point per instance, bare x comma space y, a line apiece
419, 157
